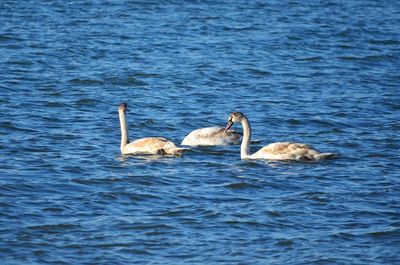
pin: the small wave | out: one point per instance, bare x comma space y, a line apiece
385, 42
294, 121
345, 46
241, 185
127, 81
385, 233
21, 62
274, 213
284, 243
146, 75
227, 28
64, 136
87, 101
174, 213
374, 57
86, 82
73, 169
53, 209
144, 226
136, 251
55, 104
258, 72
343, 235
54, 228
13, 127
245, 223
309, 59
349, 58
5, 38
315, 196
106, 181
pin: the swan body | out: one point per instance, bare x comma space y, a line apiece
274, 151
288, 151
211, 136
144, 146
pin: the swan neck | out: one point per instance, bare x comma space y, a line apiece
245, 146
124, 130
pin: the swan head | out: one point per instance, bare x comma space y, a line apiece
123, 107
234, 117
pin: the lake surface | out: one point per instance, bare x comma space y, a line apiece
317, 72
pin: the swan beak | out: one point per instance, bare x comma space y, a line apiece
228, 126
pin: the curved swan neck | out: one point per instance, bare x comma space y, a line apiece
245, 146
124, 130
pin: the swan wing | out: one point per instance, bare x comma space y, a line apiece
211, 136
284, 147
287, 151
149, 145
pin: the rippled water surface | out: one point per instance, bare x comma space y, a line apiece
324, 73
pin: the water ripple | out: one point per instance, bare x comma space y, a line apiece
312, 72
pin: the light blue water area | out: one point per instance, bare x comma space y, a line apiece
325, 73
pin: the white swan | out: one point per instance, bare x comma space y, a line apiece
144, 146
274, 151
211, 136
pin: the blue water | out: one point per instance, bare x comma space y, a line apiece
325, 73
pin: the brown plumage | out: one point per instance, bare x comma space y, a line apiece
143, 146
211, 136
274, 151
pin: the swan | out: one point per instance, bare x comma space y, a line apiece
144, 146
274, 151
211, 136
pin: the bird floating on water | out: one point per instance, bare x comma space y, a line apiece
144, 146
273, 151
211, 136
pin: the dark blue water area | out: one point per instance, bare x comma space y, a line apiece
325, 73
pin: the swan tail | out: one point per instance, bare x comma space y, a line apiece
325, 156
